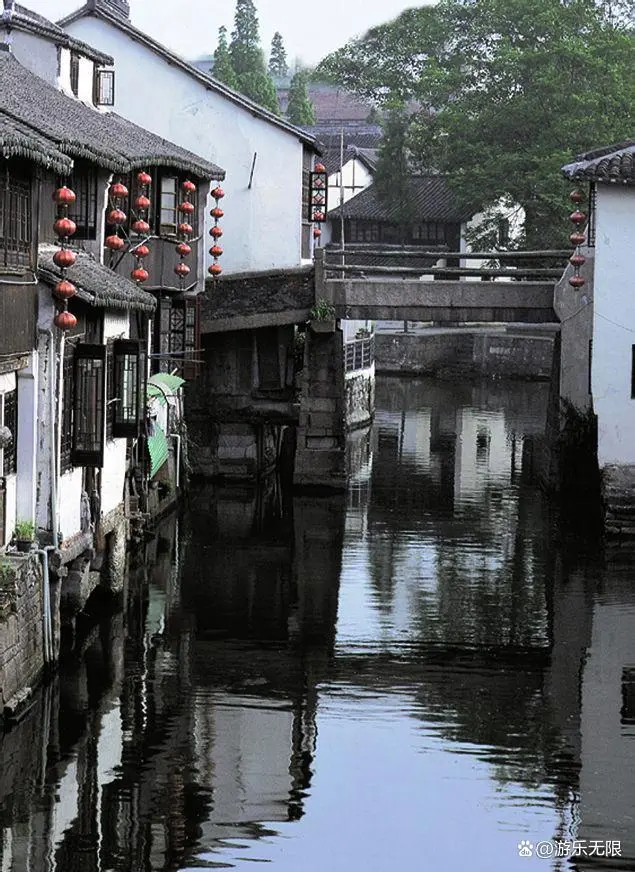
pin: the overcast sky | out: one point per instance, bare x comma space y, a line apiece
190, 27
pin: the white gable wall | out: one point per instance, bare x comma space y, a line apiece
262, 224
36, 54
614, 325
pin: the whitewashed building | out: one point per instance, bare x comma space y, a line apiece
608, 292
267, 159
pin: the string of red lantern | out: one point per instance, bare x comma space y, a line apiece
184, 231
141, 227
215, 269
117, 193
577, 259
64, 258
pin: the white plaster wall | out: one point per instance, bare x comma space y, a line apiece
262, 224
37, 55
116, 325
614, 325
86, 80
355, 178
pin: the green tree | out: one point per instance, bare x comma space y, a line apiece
278, 57
247, 59
503, 92
394, 167
223, 69
300, 109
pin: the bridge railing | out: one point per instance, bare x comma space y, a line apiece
396, 261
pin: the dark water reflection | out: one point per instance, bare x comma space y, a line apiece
412, 676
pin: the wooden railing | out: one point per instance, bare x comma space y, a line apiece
402, 262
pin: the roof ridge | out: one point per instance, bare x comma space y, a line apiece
220, 87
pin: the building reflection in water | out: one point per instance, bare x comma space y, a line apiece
433, 599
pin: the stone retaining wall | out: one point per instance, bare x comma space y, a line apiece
21, 626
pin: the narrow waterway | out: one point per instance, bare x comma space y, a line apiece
423, 674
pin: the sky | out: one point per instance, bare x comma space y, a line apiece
309, 30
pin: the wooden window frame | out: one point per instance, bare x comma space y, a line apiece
169, 227
126, 416
75, 73
16, 217
178, 336
89, 400
103, 95
9, 418
84, 182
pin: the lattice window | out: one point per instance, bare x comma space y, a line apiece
84, 210
67, 408
127, 386
170, 195
89, 405
75, 73
15, 217
10, 420
104, 88
179, 336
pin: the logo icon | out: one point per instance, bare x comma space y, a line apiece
525, 848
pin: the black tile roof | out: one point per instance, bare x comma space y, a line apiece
78, 130
173, 59
96, 284
30, 22
430, 194
19, 140
331, 158
612, 164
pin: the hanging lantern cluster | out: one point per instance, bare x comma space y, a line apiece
215, 269
318, 192
141, 227
116, 218
64, 257
185, 231
577, 259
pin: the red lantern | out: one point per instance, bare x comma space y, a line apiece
218, 193
182, 269
318, 216
319, 168
186, 207
64, 290
116, 216
64, 258
65, 320
576, 281
64, 227
142, 202
64, 196
576, 197
216, 232
577, 238
141, 227
577, 259
185, 229
215, 269
114, 243
118, 190
139, 274
577, 217
188, 186
216, 251
316, 232
217, 212
141, 251
183, 249
144, 178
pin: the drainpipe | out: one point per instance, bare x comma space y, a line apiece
47, 626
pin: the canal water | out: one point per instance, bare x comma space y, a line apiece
430, 672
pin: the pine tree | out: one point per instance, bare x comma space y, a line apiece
278, 57
247, 59
223, 69
300, 109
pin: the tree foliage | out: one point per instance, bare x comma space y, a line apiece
394, 166
247, 60
502, 93
300, 109
278, 57
223, 69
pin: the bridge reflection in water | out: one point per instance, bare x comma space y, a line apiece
410, 675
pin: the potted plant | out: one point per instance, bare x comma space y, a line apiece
323, 317
24, 535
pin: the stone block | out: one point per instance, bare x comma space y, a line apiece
320, 443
